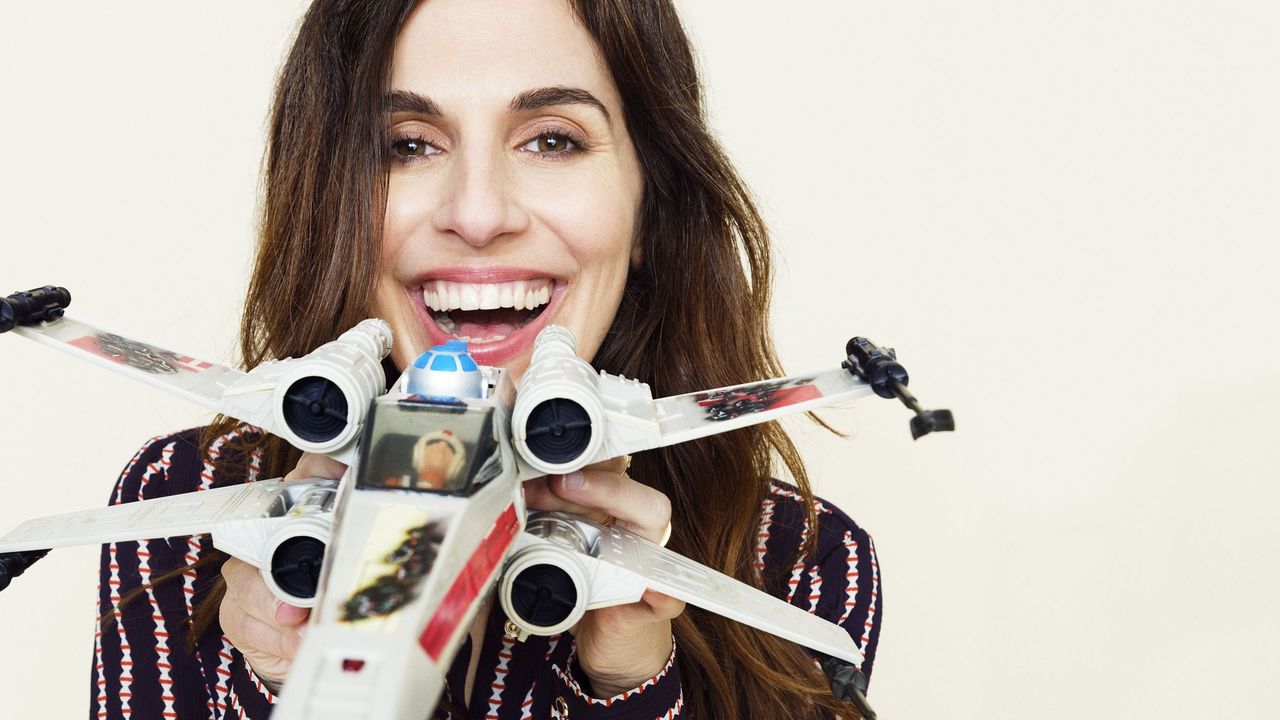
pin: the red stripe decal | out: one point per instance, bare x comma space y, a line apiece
468, 584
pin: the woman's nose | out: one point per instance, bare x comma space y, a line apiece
479, 205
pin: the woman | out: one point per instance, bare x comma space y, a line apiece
480, 168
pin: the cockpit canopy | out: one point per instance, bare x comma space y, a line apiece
430, 446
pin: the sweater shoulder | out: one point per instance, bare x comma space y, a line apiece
785, 512
182, 462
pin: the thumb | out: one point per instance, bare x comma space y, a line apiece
289, 615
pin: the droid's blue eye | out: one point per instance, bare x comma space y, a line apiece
445, 363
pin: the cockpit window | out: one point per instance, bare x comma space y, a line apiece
430, 447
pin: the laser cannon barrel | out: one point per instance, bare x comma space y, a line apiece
879, 368
33, 306
15, 563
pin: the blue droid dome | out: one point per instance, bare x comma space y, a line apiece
445, 371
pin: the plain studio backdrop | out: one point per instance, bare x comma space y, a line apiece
1062, 214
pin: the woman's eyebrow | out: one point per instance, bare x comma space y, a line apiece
557, 95
411, 102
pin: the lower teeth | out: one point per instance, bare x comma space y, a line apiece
448, 325
445, 322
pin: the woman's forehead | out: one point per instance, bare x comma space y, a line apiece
469, 51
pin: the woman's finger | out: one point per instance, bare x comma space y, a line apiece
252, 635
247, 589
539, 496
662, 606
313, 465
637, 507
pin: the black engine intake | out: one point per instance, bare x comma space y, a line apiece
296, 564
315, 409
543, 595
558, 431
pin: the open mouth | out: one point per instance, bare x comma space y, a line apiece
483, 313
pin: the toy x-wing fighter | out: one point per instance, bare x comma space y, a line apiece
430, 515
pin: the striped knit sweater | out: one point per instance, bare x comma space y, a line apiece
143, 669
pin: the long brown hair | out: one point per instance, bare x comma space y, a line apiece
699, 301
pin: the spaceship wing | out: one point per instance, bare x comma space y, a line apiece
199, 381
188, 514
698, 414
560, 407
626, 564
315, 402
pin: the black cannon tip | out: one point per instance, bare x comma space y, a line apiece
14, 564
33, 306
932, 421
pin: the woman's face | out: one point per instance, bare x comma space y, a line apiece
513, 187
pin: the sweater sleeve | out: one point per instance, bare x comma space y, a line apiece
144, 665
659, 697
839, 581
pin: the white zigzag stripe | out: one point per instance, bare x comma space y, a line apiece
196, 547
144, 572
162, 634
126, 661
798, 569
851, 577
815, 588
762, 537
162, 639
875, 591
223, 688
674, 712
113, 584
499, 683
781, 491
526, 708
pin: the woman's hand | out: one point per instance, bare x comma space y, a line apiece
261, 626
622, 646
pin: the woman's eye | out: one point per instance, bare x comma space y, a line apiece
550, 144
408, 148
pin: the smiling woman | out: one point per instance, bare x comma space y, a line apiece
477, 170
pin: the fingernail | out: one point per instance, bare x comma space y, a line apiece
288, 615
573, 481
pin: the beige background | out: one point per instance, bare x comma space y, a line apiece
1062, 214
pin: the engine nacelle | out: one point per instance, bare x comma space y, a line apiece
558, 423
287, 544
545, 588
321, 400
294, 554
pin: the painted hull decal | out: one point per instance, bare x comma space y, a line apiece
469, 583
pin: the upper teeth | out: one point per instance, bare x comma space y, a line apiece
444, 295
